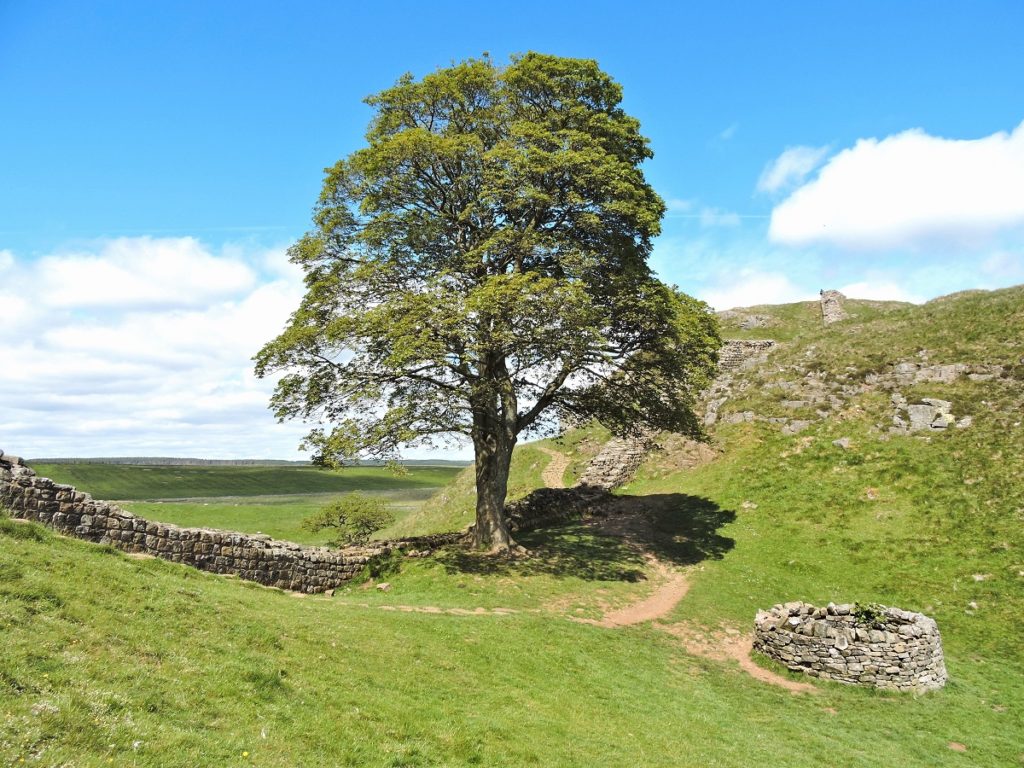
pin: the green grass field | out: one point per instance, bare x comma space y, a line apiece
123, 482
109, 660
270, 500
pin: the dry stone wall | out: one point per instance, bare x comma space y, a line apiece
886, 648
249, 556
616, 463
736, 353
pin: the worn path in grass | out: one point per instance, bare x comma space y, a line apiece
554, 473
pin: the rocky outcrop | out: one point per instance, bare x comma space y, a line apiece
874, 646
928, 415
832, 310
253, 557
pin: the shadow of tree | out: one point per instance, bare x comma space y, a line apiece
680, 529
676, 528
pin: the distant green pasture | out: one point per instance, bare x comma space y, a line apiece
272, 500
143, 483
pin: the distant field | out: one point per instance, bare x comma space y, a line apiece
272, 500
135, 483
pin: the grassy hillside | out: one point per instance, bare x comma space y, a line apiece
150, 664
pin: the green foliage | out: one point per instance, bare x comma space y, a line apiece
869, 615
480, 268
354, 518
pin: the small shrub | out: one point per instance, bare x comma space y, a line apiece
871, 615
355, 517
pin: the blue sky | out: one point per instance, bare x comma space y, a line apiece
156, 158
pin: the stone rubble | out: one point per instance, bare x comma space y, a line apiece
930, 414
899, 651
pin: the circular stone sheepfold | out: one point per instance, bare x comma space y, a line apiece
874, 645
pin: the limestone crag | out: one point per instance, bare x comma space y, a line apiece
883, 647
816, 395
906, 373
832, 310
253, 557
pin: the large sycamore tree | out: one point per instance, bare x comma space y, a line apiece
480, 269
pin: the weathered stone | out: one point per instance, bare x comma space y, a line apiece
832, 307
905, 655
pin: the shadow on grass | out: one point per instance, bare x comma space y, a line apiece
682, 529
676, 528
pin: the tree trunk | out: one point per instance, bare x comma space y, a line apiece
493, 456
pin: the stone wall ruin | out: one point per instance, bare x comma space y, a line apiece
832, 307
883, 647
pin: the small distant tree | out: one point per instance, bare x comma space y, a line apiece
480, 269
355, 517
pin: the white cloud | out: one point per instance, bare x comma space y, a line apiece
880, 290
909, 190
6, 260
790, 168
729, 132
715, 217
159, 372
143, 272
748, 288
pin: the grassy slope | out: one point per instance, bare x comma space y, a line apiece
107, 640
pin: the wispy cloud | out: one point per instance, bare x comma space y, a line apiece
790, 168
678, 205
716, 217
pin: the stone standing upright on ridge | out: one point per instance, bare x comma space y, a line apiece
832, 307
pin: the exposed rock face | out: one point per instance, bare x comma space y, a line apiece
249, 556
887, 648
906, 373
832, 307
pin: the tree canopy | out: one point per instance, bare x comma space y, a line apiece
480, 269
